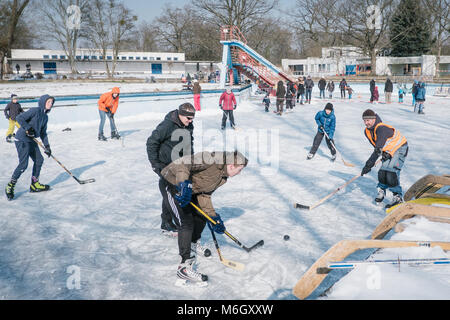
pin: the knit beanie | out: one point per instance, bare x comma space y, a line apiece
13, 96
186, 109
369, 114
329, 106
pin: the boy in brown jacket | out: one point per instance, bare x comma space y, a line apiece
194, 179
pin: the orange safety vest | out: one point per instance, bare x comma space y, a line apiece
392, 144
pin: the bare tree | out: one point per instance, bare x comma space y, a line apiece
439, 11
10, 14
63, 22
245, 14
98, 29
364, 24
122, 24
147, 38
173, 27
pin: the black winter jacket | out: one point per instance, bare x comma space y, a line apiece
12, 110
160, 144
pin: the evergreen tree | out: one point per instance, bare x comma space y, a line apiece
410, 32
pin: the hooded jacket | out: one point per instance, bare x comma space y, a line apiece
420, 92
160, 145
328, 121
309, 83
35, 118
281, 91
107, 102
389, 86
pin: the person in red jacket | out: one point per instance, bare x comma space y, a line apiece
227, 103
107, 106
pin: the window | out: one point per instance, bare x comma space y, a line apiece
144, 58
62, 57
46, 56
169, 58
130, 58
138, 58
152, 58
124, 58
101, 57
86, 57
158, 58
109, 58
94, 57
175, 59
54, 56
78, 57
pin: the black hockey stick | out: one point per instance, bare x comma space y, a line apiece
76, 179
256, 245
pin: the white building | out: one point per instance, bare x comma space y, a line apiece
350, 61
90, 61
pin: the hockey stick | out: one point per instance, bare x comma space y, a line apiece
354, 264
256, 245
340, 154
301, 206
77, 180
232, 264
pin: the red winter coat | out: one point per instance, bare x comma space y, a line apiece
227, 101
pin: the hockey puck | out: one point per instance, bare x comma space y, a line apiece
286, 237
207, 253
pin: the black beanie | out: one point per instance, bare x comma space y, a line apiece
13, 96
329, 106
369, 114
186, 109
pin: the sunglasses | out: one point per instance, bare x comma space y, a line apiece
190, 118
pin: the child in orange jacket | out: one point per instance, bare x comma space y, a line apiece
107, 106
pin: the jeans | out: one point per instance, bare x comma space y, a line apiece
322, 93
227, 114
308, 94
342, 93
102, 122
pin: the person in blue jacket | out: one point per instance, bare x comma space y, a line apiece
33, 124
326, 121
420, 97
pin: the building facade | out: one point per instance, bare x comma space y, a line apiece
89, 61
340, 61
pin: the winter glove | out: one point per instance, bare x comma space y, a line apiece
234, 108
220, 106
184, 193
48, 151
386, 156
365, 170
219, 227
30, 133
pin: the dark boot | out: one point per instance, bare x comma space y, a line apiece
9, 139
9, 190
101, 137
115, 135
36, 186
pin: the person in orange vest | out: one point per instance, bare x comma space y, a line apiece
393, 148
107, 106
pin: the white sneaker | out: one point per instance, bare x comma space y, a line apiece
380, 195
198, 248
310, 156
186, 272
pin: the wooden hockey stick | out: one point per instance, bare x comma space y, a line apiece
256, 245
62, 166
311, 279
405, 211
340, 154
301, 206
231, 264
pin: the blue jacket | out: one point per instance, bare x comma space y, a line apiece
328, 121
35, 118
420, 92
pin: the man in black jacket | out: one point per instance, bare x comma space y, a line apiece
388, 88
372, 89
172, 139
